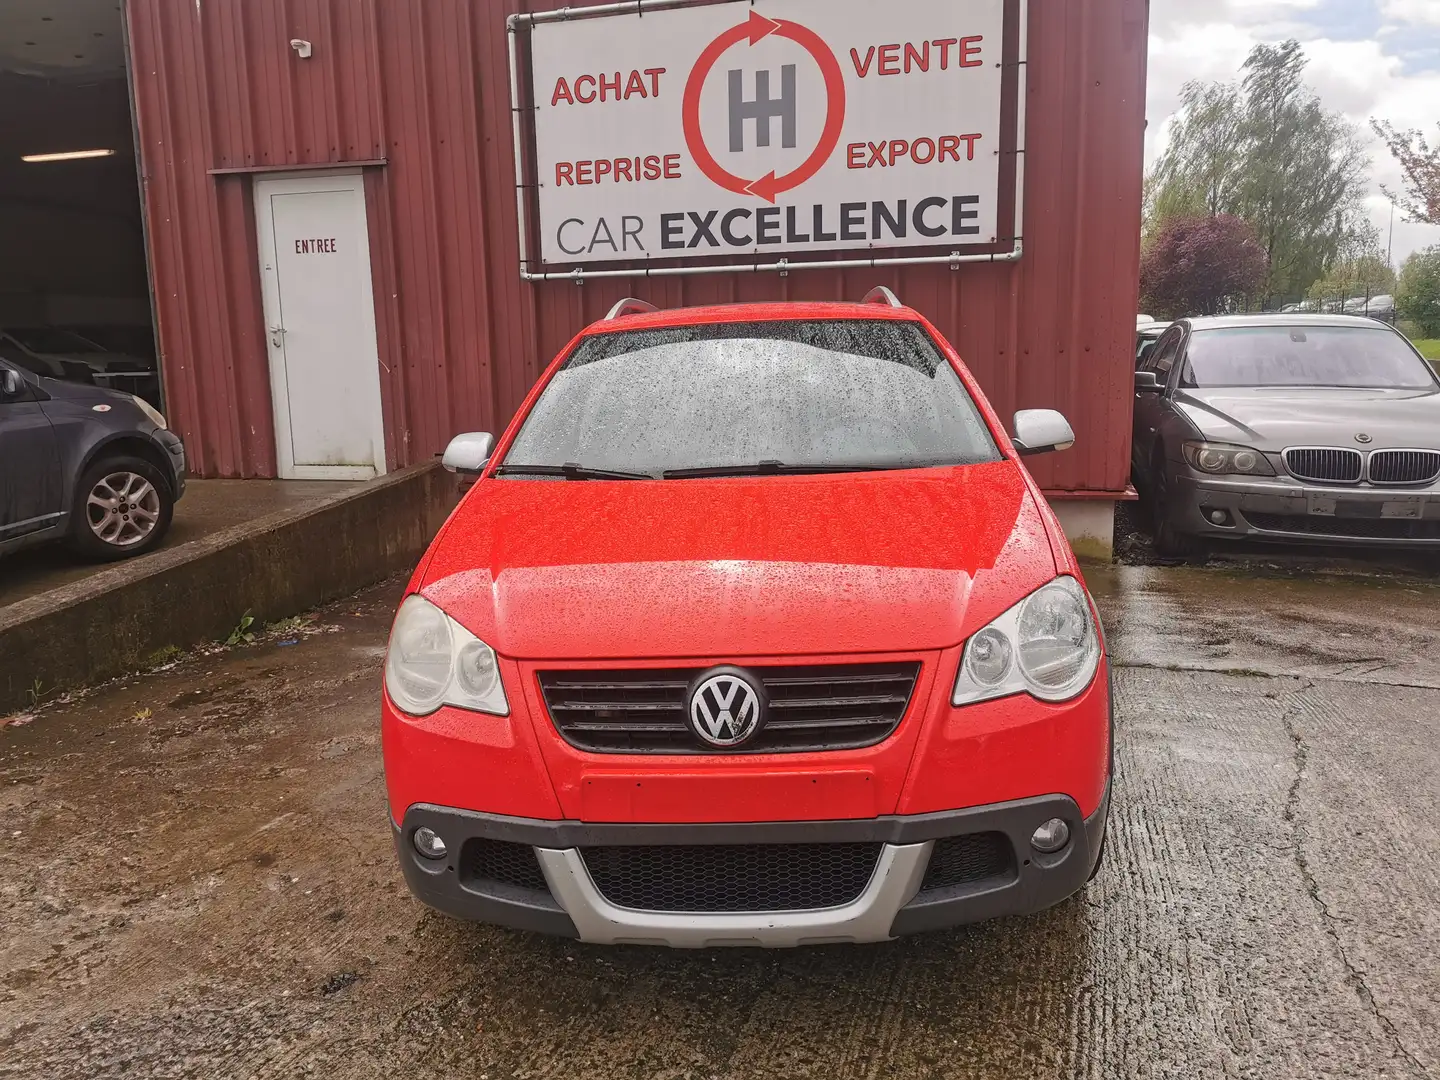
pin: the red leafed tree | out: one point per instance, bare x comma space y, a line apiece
1420, 162
1201, 266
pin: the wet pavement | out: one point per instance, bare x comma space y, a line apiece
208, 507
196, 879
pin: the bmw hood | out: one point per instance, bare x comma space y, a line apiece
1273, 418
773, 566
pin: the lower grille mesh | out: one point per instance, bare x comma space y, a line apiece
961, 860
499, 862
732, 877
1356, 528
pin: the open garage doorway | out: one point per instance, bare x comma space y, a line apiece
74, 287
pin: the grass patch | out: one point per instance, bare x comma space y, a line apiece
1430, 349
164, 655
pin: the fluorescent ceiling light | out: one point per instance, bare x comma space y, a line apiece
70, 155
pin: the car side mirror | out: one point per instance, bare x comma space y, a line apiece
1147, 383
10, 383
469, 453
1042, 431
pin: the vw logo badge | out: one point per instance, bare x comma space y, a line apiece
726, 708
1364, 439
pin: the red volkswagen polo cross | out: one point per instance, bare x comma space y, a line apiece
753, 630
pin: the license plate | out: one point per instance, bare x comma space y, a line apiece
1360, 508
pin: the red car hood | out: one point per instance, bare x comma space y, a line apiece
769, 566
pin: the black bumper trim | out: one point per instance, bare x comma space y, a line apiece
882, 830
438, 884
1041, 881
1038, 882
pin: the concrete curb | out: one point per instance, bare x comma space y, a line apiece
111, 622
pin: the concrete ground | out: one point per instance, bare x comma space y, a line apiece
196, 879
208, 507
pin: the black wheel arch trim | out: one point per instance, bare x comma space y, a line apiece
143, 446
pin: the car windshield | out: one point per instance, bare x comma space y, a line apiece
827, 395
1320, 356
47, 340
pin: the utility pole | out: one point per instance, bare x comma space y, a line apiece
1390, 254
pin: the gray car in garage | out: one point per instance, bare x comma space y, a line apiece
1319, 429
81, 463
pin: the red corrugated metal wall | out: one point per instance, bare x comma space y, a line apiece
423, 85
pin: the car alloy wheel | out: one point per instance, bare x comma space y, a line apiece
123, 509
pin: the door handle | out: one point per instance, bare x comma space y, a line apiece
277, 336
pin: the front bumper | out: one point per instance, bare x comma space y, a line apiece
899, 898
1285, 510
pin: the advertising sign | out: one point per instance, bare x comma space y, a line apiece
765, 129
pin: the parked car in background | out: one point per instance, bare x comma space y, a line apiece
81, 463
1374, 307
1146, 335
1305, 428
753, 630
66, 354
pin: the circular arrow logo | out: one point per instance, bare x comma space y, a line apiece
755, 29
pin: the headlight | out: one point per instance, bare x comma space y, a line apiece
434, 661
153, 414
1046, 646
1220, 459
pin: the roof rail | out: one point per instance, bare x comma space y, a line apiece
630, 306
883, 296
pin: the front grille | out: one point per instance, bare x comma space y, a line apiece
962, 860
1327, 466
1351, 527
732, 877
499, 862
1404, 466
834, 707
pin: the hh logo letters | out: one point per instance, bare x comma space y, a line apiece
763, 109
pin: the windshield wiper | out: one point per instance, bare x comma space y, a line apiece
571, 471
772, 468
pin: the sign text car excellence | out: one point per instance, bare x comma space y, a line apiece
783, 126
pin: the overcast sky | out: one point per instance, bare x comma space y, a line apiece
1368, 58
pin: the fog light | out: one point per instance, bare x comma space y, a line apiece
429, 844
1050, 837
1219, 517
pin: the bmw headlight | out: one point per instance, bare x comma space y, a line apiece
434, 661
1221, 459
1047, 646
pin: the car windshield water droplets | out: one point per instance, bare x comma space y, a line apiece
821, 395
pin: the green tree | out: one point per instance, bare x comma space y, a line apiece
1367, 274
1265, 150
1418, 298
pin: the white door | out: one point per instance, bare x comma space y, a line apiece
320, 326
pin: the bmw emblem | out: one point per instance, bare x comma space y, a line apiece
1363, 439
727, 708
